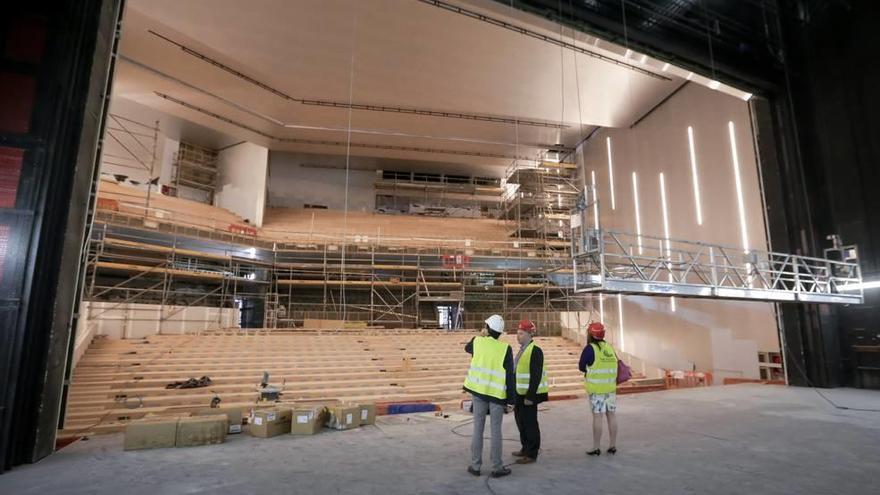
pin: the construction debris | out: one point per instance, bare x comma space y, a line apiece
190, 383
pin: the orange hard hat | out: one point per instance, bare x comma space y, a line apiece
526, 326
596, 330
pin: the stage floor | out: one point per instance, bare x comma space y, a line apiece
725, 439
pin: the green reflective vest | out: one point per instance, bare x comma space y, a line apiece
486, 375
523, 372
601, 376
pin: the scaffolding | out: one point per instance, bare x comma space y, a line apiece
538, 200
131, 267
376, 281
132, 148
195, 167
399, 282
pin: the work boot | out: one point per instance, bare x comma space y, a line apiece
526, 460
518, 453
504, 471
475, 472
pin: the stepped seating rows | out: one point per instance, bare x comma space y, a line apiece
133, 201
292, 223
305, 225
120, 380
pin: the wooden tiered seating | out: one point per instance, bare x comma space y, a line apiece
120, 380
310, 225
133, 201
293, 223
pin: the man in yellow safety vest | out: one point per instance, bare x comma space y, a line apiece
490, 381
599, 364
531, 390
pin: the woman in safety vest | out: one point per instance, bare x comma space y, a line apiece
599, 365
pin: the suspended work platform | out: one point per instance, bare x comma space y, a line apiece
609, 261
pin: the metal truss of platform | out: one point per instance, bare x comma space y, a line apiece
620, 262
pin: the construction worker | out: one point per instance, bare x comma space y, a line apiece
490, 380
531, 390
599, 364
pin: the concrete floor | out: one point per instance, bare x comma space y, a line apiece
731, 439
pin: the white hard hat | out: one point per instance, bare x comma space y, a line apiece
496, 323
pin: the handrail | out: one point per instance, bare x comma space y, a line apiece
612, 260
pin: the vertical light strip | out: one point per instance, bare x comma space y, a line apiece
739, 189
665, 211
595, 198
638, 214
694, 174
666, 231
610, 172
602, 308
620, 321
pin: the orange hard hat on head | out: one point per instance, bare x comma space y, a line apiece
526, 326
596, 330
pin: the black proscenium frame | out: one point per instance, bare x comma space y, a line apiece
812, 65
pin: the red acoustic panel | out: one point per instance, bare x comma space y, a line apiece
25, 39
17, 93
10, 173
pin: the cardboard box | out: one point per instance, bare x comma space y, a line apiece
267, 423
345, 417
308, 420
367, 414
232, 413
150, 433
202, 430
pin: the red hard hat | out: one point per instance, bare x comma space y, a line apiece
526, 326
596, 330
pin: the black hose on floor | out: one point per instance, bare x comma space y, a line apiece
454, 431
819, 392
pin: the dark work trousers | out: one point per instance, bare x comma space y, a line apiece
527, 422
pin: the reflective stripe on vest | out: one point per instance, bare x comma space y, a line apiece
601, 376
486, 375
523, 372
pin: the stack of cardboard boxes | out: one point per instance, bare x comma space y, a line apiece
210, 426
179, 431
310, 419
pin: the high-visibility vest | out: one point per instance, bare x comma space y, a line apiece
486, 375
523, 372
601, 376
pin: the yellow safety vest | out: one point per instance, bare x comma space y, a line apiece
601, 376
523, 372
486, 375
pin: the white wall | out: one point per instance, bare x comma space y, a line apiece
134, 321
659, 143
86, 330
713, 335
241, 186
292, 185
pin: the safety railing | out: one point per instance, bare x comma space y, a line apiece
612, 261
